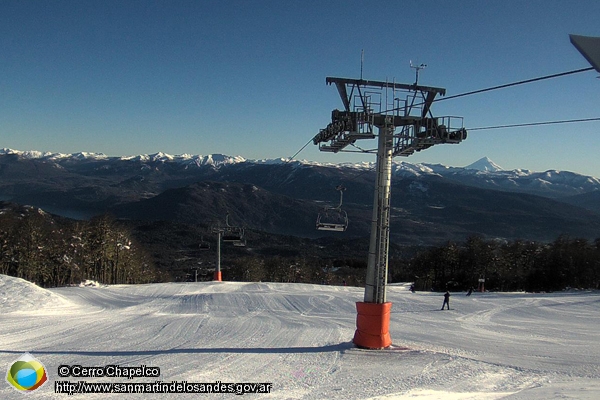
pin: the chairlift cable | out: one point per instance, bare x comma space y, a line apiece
356, 177
564, 121
515, 83
298, 152
360, 148
576, 71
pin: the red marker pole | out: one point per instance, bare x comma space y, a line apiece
217, 276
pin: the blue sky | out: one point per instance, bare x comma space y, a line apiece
248, 77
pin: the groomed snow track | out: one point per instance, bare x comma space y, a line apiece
297, 336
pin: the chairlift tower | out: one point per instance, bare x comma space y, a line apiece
229, 234
402, 115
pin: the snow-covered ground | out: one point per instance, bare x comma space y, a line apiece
298, 336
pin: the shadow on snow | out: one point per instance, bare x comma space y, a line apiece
239, 350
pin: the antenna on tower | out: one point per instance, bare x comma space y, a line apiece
362, 61
417, 68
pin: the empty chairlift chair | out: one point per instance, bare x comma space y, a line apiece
233, 234
333, 218
204, 246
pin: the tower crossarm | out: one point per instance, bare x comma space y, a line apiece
369, 104
380, 85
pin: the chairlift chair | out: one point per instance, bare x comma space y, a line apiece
239, 243
235, 238
333, 219
203, 245
337, 224
233, 234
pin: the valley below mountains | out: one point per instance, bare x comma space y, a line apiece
431, 204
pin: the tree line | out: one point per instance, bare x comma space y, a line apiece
517, 265
323, 271
52, 252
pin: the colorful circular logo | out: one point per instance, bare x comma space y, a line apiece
26, 373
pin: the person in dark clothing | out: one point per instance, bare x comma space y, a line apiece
446, 300
470, 291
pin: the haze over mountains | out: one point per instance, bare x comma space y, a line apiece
430, 203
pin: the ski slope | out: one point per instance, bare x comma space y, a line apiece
298, 337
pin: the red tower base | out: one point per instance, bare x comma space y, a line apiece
373, 325
217, 276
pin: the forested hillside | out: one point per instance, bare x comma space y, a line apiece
55, 251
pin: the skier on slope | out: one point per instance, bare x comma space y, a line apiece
446, 300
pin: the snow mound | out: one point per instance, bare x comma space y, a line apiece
89, 283
18, 295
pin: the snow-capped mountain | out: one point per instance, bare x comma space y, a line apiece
186, 159
430, 202
484, 164
484, 173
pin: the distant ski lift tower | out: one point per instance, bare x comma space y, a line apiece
405, 124
229, 234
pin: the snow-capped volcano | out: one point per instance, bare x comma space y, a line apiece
484, 164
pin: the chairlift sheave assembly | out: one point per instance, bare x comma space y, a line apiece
333, 219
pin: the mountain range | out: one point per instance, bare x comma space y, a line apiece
431, 203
